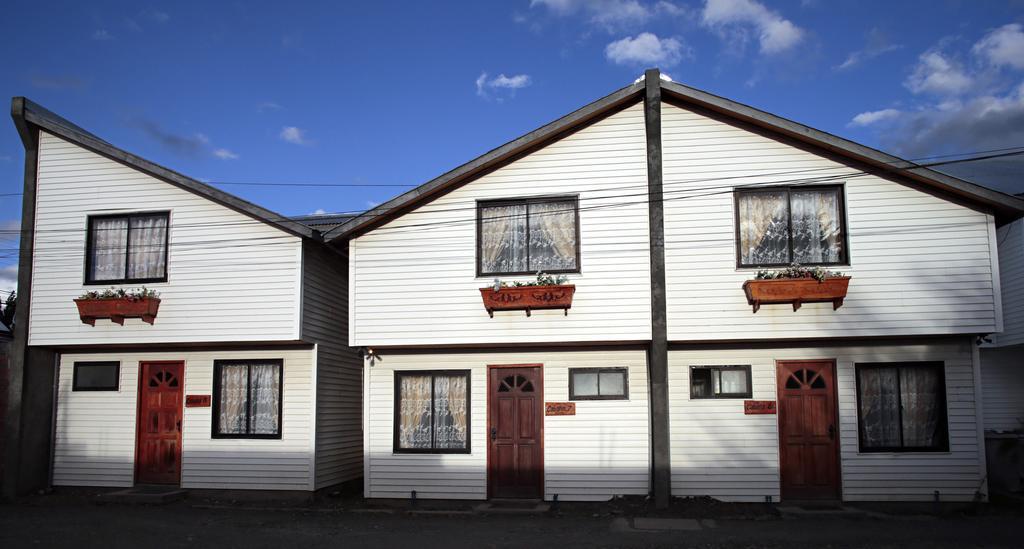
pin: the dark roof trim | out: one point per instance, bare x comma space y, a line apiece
489, 161
25, 112
1005, 207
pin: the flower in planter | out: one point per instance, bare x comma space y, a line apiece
542, 280
797, 271
131, 294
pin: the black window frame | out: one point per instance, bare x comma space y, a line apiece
215, 420
88, 279
481, 204
598, 371
840, 189
75, 387
748, 368
396, 448
943, 446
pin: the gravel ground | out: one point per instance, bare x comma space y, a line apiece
78, 522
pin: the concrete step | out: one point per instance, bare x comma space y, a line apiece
146, 494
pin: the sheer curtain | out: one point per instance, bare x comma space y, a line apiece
816, 235
730, 382
264, 406
414, 412
450, 411
147, 246
109, 237
234, 380
552, 236
920, 392
503, 239
764, 228
880, 407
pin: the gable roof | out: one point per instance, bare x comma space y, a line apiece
322, 222
1004, 206
26, 112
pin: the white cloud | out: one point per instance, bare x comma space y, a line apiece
508, 84
8, 279
268, 106
612, 15
102, 35
734, 19
877, 44
5, 158
158, 16
225, 154
295, 135
873, 117
937, 74
647, 49
1003, 46
318, 211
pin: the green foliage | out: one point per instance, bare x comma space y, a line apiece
132, 294
542, 280
796, 271
7, 311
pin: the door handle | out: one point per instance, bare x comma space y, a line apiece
494, 433
831, 432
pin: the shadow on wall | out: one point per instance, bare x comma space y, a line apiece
5, 376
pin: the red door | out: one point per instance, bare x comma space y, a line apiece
158, 451
515, 430
808, 430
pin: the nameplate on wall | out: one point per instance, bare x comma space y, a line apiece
559, 408
197, 401
755, 407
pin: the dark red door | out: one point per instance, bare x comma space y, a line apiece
158, 451
808, 430
515, 431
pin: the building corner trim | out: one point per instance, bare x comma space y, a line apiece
657, 353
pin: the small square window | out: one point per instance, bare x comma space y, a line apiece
720, 382
598, 384
96, 376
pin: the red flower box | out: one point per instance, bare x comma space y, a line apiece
797, 291
528, 298
117, 309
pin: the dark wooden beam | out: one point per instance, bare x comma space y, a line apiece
657, 352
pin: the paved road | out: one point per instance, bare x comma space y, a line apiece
183, 525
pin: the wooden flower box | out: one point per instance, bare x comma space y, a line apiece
796, 291
117, 309
528, 298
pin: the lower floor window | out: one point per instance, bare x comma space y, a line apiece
720, 382
902, 407
247, 398
432, 411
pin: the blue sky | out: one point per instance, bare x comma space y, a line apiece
378, 93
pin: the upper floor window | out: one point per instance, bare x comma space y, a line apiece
529, 235
784, 225
127, 248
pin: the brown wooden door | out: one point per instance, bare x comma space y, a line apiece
808, 430
158, 451
515, 432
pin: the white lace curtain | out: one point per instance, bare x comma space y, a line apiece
250, 399
765, 227
437, 423
136, 254
901, 407
538, 236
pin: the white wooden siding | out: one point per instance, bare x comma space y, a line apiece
405, 275
339, 428
920, 264
95, 431
1002, 383
720, 452
1011, 267
230, 277
600, 452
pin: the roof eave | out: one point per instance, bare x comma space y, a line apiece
25, 112
484, 163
